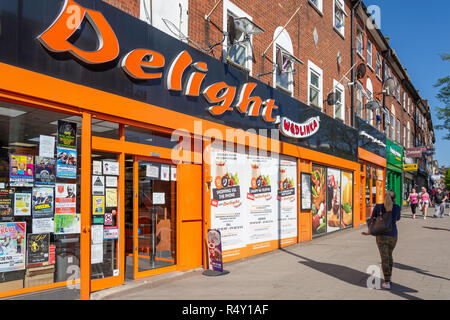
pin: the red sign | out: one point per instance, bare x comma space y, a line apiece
415, 152
293, 129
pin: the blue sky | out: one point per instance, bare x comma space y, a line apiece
419, 31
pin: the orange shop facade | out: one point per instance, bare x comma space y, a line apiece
122, 146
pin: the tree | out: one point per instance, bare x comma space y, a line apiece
443, 113
447, 180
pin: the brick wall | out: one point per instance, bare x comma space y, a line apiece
129, 6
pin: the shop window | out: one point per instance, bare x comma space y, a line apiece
315, 85
39, 197
339, 16
105, 129
152, 138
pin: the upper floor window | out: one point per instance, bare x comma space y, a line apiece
378, 119
404, 100
317, 4
404, 136
398, 131
378, 64
359, 40
359, 100
387, 122
369, 53
339, 16
283, 57
314, 85
398, 90
339, 106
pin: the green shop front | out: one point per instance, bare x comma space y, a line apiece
394, 170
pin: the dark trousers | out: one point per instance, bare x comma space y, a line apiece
413, 207
386, 245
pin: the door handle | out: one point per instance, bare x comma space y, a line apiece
86, 229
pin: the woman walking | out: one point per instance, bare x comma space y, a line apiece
386, 242
424, 201
413, 200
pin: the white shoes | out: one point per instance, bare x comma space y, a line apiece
386, 286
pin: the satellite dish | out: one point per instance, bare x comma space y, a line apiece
389, 86
331, 99
231, 30
361, 71
279, 61
372, 105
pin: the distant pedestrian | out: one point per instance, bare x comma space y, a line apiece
386, 242
413, 200
439, 203
424, 202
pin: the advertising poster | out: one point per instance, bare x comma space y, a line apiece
6, 204
42, 203
21, 171
67, 134
347, 199
97, 167
98, 204
46, 146
67, 223
22, 204
215, 250
227, 212
38, 249
65, 198
98, 185
66, 163
111, 181
42, 225
111, 168
110, 233
260, 178
111, 197
333, 199
306, 195
45, 169
287, 196
12, 246
318, 190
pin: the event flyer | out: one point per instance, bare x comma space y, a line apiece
22, 204
98, 205
67, 134
347, 199
110, 233
42, 225
66, 163
65, 198
333, 199
318, 190
45, 170
287, 195
227, 212
42, 202
38, 249
6, 204
262, 213
21, 170
12, 246
67, 223
97, 167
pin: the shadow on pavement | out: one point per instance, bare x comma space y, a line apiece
351, 276
424, 272
434, 228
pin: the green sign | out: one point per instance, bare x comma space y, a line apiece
394, 154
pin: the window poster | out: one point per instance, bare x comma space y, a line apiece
42, 225
42, 202
97, 167
96, 244
110, 233
306, 191
65, 198
227, 212
38, 249
6, 204
333, 199
111, 197
111, 168
98, 185
67, 134
260, 179
111, 181
165, 173
67, 223
12, 246
173, 173
318, 190
45, 171
152, 171
22, 203
66, 163
347, 199
98, 204
287, 195
46, 146
21, 170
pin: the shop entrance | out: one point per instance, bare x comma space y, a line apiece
150, 220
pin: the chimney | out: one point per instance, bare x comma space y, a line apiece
387, 39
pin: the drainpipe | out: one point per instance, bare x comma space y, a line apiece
352, 58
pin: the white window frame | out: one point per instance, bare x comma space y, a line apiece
340, 5
284, 42
369, 53
398, 130
341, 88
404, 100
359, 29
392, 122
398, 90
404, 136
359, 89
317, 6
408, 138
388, 122
378, 64
318, 71
237, 12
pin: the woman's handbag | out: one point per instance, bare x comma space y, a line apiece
381, 224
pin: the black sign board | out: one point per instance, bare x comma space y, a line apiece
370, 139
67, 133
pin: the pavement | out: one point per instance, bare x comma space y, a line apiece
332, 267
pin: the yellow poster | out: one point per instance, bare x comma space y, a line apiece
347, 199
111, 197
379, 191
98, 204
